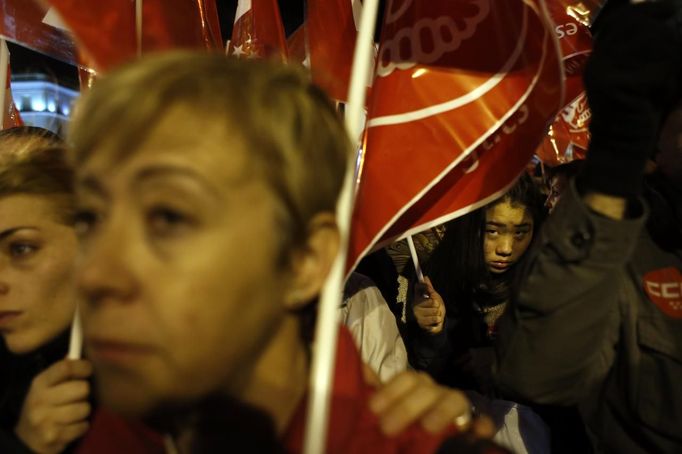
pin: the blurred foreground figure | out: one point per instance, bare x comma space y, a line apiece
206, 193
598, 319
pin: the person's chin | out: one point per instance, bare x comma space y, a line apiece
20, 342
125, 395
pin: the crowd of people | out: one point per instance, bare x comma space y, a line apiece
194, 233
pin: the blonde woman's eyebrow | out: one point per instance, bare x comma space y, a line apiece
170, 170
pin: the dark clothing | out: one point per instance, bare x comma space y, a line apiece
460, 356
17, 374
598, 322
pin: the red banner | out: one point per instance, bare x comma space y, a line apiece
27, 23
107, 31
296, 47
258, 30
332, 30
568, 135
463, 95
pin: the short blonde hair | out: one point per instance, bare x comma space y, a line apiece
288, 124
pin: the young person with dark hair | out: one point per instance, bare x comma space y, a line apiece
468, 285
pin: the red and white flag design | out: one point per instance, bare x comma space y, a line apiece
463, 95
568, 136
258, 31
10, 114
107, 31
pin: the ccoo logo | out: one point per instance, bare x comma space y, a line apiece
664, 288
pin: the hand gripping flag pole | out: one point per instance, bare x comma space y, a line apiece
326, 330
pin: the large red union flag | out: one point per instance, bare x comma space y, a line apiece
463, 95
258, 30
107, 31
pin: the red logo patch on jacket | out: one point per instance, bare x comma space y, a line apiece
664, 288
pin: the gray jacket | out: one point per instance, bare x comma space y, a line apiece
597, 322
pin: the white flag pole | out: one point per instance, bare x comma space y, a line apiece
4, 64
326, 330
415, 259
138, 26
76, 339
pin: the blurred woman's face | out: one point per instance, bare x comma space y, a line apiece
180, 272
508, 232
37, 255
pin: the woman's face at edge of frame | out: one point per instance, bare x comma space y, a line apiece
37, 252
508, 233
179, 268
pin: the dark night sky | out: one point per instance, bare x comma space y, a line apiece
24, 60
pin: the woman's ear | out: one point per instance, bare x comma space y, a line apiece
312, 261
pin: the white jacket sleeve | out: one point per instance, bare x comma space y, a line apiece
375, 332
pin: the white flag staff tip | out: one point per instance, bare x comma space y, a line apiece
138, 26
415, 259
4, 64
326, 330
76, 339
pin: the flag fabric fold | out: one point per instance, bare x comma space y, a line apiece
332, 27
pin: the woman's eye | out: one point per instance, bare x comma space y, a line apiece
85, 221
167, 221
491, 232
21, 250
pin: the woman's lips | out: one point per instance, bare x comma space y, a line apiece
500, 265
7, 317
119, 352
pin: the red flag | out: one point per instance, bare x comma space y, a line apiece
296, 47
10, 115
332, 31
107, 31
463, 95
568, 135
258, 30
32, 25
